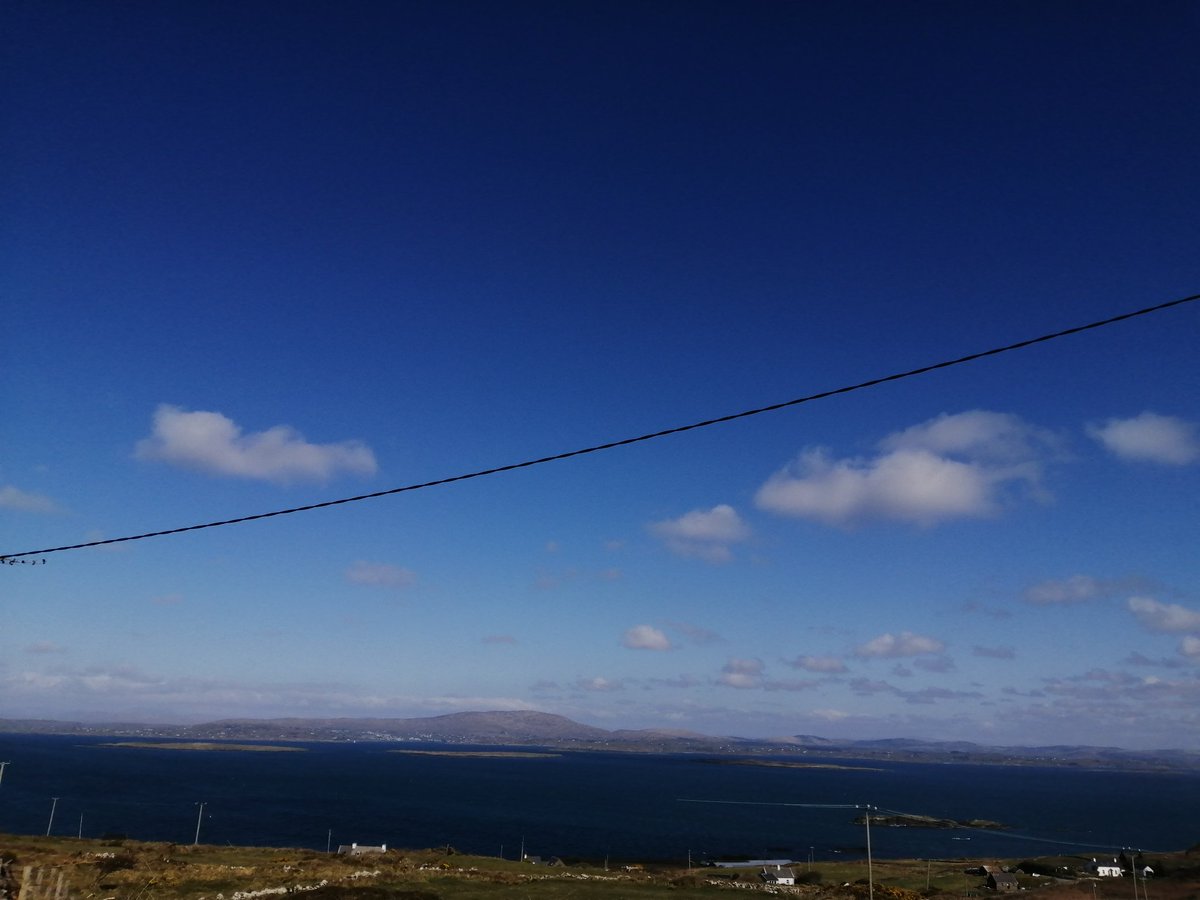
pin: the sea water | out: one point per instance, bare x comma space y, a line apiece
588, 805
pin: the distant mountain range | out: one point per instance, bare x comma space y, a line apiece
536, 729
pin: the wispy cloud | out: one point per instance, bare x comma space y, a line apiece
25, 501
703, 534
941, 663
951, 467
1116, 692
1076, 589
742, 673
805, 684
44, 647
934, 694
211, 442
994, 652
894, 646
129, 692
820, 664
598, 684
994, 612
680, 681
866, 687
377, 574
697, 634
645, 637
1140, 659
1150, 437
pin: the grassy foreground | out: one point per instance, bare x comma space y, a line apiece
133, 870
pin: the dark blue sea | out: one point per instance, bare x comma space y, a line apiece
583, 805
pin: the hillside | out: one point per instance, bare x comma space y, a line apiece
38, 868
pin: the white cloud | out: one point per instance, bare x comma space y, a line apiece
380, 575
1170, 617
1150, 437
951, 467
975, 434
893, 646
827, 664
211, 442
645, 637
25, 501
704, 534
742, 673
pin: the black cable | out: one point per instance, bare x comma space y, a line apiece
627, 441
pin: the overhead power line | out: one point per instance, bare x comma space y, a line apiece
624, 442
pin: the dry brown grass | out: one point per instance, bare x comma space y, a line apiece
134, 870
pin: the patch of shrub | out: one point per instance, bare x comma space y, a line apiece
115, 863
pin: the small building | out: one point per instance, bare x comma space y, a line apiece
1106, 869
360, 849
1002, 882
778, 875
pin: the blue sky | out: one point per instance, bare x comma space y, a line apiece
258, 256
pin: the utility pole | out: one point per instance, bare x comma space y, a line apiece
51, 822
870, 875
81, 826
199, 816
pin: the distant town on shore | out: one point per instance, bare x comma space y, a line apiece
523, 728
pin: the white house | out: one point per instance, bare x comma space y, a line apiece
1104, 869
778, 875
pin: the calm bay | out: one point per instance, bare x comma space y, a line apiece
592, 805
